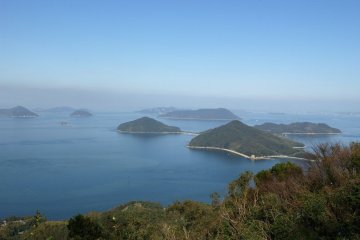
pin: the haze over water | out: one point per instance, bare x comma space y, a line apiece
265, 55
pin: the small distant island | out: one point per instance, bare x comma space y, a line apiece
157, 110
147, 125
298, 128
62, 109
17, 112
81, 113
241, 139
202, 114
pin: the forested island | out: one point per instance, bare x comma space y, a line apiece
81, 113
201, 114
298, 128
147, 125
241, 139
284, 202
17, 112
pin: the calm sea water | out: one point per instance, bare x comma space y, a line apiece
87, 165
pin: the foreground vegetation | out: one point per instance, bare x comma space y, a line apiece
283, 202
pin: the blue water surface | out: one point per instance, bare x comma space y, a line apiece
86, 165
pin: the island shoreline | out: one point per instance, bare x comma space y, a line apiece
247, 156
185, 133
311, 133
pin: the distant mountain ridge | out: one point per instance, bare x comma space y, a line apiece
202, 114
17, 112
298, 128
59, 109
243, 139
147, 125
158, 110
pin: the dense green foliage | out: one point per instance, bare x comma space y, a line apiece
239, 137
298, 127
280, 203
147, 125
202, 114
83, 227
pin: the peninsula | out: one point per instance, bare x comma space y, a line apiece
241, 139
147, 125
202, 114
81, 113
17, 112
298, 128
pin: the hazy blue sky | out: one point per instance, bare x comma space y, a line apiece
166, 51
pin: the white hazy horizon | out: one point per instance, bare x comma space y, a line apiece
122, 101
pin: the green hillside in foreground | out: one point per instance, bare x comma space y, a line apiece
202, 114
242, 138
298, 127
147, 125
279, 203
